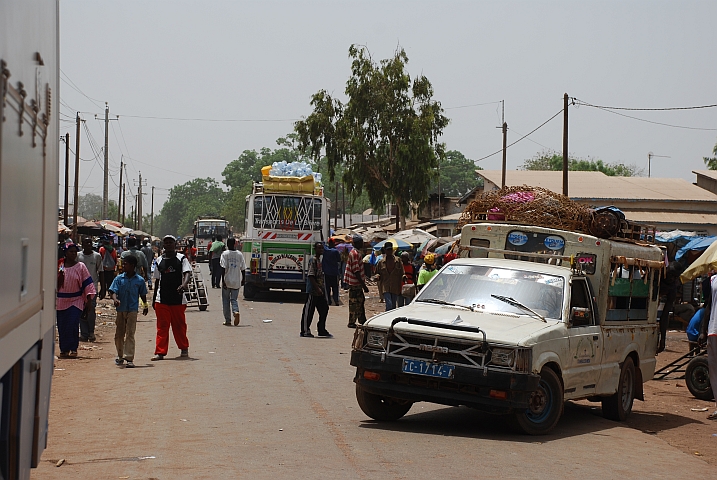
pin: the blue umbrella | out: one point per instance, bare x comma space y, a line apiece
398, 244
699, 243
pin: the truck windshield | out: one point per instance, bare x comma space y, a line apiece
473, 285
282, 212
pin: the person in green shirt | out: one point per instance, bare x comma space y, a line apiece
216, 252
428, 271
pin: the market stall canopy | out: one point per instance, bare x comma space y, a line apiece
397, 243
704, 263
112, 228
415, 235
698, 243
112, 222
61, 227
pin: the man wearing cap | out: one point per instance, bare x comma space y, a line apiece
171, 277
354, 278
428, 272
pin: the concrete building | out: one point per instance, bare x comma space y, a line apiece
666, 203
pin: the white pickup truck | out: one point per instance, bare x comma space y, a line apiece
539, 317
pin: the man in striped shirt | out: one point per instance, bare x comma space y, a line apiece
354, 278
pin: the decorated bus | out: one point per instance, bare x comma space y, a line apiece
204, 229
281, 228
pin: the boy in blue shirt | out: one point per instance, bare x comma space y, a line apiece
125, 291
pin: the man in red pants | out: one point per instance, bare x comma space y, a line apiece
171, 277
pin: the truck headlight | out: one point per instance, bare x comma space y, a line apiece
375, 340
502, 356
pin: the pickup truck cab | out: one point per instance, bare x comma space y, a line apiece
518, 330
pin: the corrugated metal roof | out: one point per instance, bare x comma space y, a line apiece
706, 173
597, 185
672, 218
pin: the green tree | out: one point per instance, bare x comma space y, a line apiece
550, 160
711, 162
90, 207
386, 134
201, 196
457, 175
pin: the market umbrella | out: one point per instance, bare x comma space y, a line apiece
111, 228
704, 263
698, 243
112, 222
397, 243
415, 235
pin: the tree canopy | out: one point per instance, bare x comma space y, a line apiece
201, 196
90, 207
457, 175
548, 160
711, 162
386, 135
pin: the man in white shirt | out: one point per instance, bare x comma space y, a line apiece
232, 271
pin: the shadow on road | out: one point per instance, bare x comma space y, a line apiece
467, 422
279, 296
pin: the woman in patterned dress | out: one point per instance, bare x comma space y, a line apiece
75, 290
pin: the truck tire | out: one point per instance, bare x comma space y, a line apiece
380, 408
250, 291
619, 405
546, 405
697, 378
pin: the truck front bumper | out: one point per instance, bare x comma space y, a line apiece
496, 392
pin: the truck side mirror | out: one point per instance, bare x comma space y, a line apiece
579, 317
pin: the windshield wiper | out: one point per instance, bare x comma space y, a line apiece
443, 302
515, 303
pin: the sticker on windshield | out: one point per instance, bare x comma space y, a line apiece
518, 238
554, 243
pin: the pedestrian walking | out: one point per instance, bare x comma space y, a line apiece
216, 252
93, 261
125, 291
75, 289
391, 274
428, 271
149, 255
408, 286
232, 265
331, 264
354, 278
142, 264
171, 277
316, 298
709, 334
109, 264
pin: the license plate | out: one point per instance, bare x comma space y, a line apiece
419, 367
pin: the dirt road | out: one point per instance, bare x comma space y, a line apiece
258, 401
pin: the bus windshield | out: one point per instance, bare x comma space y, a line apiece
211, 229
281, 212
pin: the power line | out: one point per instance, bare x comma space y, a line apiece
472, 105
581, 102
213, 119
649, 121
521, 138
75, 87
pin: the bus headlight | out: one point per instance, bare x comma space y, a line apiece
503, 357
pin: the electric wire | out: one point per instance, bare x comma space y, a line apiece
582, 102
521, 138
472, 105
75, 87
213, 119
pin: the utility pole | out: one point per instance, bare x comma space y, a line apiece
120, 193
105, 187
138, 209
343, 203
565, 144
77, 172
124, 203
336, 206
135, 213
505, 148
67, 177
151, 223
439, 192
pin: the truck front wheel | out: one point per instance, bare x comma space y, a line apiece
545, 407
618, 406
381, 408
250, 291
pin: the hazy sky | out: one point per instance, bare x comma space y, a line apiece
254, 65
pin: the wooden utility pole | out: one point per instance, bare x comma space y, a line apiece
565, 144
505, 149
336, 206
105, 187
77, 173
120, 192
138, 205
343, 203
67, 178
151, 223
135, 213
124, 203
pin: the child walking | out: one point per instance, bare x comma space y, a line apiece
125, 291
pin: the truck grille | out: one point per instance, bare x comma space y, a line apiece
437, 349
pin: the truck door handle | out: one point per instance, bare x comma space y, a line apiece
596, 337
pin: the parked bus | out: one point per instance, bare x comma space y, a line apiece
204, 229
29, 158
280, 232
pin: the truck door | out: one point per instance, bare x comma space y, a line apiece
585, 339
